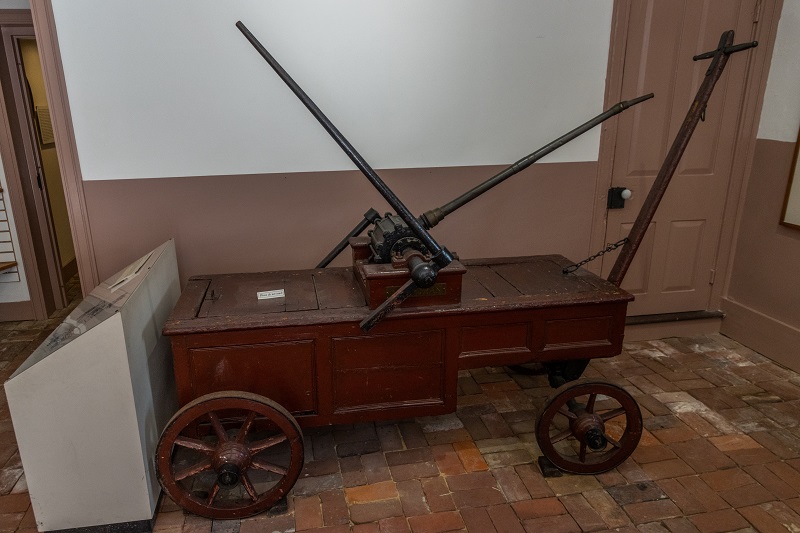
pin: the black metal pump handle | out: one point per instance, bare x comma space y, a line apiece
432, 217
439, 255
370, 217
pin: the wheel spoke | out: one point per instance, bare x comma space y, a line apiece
248, 486
566, 412
194, 444
260, 445
193, 470
213, 493
251, 416
217, 425
588, 408
591, 402
608, 415
269, 467
561, 436
218, 438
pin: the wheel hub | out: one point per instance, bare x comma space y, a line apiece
589, 428
228, 475
596, 440
230, 459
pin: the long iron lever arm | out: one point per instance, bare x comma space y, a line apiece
440, 256
425, 274
434, 216
431, 218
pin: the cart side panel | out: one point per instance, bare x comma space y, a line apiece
485, 344
328, 374
183, 370
543, 335
282, 371
388, 371
597, 333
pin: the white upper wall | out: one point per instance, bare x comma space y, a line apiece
780, 115
161, 89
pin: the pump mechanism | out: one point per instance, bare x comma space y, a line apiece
401, 237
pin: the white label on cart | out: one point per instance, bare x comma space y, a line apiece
268, 295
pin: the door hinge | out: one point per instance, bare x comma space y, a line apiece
712, 276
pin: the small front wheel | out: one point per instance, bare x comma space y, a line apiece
589, 427
229, 455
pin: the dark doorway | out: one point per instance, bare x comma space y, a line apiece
43, 220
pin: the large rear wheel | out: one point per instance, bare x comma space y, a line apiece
229, 455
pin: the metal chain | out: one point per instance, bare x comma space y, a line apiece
609, 248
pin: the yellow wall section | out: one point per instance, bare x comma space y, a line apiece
52, 173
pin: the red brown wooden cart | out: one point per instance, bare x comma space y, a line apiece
260, 356
306, 353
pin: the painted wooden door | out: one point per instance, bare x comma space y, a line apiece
674, 268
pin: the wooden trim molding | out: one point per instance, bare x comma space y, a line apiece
66, 146
19, 17
762, 333
35, 308
608, 135
661, 330
765, 31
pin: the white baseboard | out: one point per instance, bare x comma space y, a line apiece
663, 330
769, 337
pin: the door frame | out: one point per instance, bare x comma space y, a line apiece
36, 307
30, 165
66, 146
758, 62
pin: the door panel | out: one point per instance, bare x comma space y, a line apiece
671, 271
638, 277
683, 245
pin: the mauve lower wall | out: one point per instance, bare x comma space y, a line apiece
763, 300
765, 273
265, 222
763, 294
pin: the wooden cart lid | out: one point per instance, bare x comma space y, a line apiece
302, 297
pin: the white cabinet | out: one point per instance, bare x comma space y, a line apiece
89, 404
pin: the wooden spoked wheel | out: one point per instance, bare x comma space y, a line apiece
589, 427
229, 455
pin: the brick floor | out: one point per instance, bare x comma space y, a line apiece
720, 452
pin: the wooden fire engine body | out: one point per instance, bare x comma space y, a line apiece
307, 352
301, 360
260, 356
